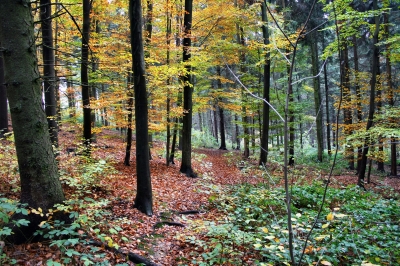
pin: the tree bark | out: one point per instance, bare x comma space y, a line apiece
347, 112
317, 95
130, 118
374, 70
3, 99
49, 75
186, 165
87, 120
393, 164
40, 184
266, 90
144, 197
358, 96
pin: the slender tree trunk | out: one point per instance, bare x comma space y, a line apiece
130, 117
347, 112
40, 184
358, 96
290, 119
168, 41
3, 99
245, 119
328, 125
87, 121
393, 164
374, 70
237, 133
186, 166
222, 128
317, 95
49, 76
144, 196
215, 116
266, 90
381, 166
148, 33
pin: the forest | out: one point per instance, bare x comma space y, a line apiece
199, 132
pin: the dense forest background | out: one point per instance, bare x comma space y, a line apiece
282, 85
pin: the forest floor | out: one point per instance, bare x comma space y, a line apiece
173, 192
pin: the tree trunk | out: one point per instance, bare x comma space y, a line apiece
40, 184
290, 118
347, 112
358, 96
87, 120
3, 99
328, 125
168, 41
374, 70
215, 122
317, 95
222, 128
130, 117
393, 164
144, 197
266, 91
186, 166
49, 76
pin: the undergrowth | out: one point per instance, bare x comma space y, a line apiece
356, 228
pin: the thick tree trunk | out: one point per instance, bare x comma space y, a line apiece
186, 165
87, 120
3, 99
49, 76
266, 91
40, 184
144, 197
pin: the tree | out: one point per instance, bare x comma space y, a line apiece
40, 184
186, 165
373, 82
87, 119
3, 99
266, 90
144, 197
49, 75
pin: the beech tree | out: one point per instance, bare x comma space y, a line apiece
186, 166
144, 197
40, 184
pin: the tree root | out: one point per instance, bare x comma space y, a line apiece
135, 258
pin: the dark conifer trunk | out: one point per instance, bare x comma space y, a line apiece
49, 76
40, 184
3, 99
144, 197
